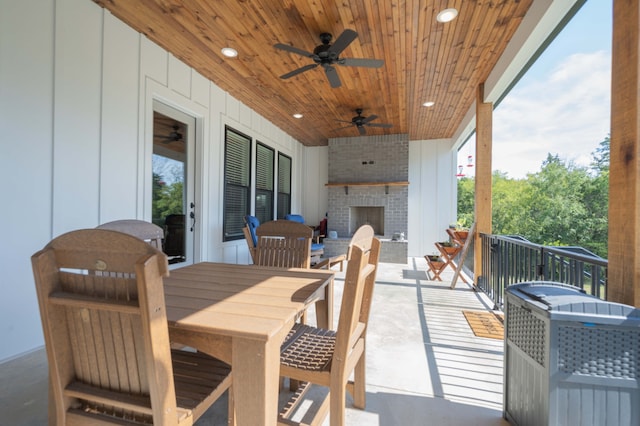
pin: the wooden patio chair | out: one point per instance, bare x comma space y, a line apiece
146, 231
249, 230
283, 243
251, 237
326, 357
107, 340
317, 248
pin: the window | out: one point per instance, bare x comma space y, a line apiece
237, 183
284, 185
265, 159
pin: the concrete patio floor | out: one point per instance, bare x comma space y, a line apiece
424, 364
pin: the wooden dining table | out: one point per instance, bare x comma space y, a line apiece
241, 314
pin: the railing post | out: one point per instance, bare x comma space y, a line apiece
541, 268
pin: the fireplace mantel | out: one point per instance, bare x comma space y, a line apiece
385, 184
402, 183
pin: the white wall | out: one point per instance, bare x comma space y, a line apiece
26, 166
76, 91
315, 174
432, 194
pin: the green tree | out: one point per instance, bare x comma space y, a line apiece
466, 201
507, 196
556, 204
167, 199
601, 157
562, 204
596, 199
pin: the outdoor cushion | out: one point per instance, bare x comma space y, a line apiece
252, 224
300, 219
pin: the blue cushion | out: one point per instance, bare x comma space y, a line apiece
294, 217
252, 224
300, 219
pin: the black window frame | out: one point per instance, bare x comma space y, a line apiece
284, 185
264, 182
236, 190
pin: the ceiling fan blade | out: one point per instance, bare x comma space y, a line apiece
345, 121
343, 41
383, 125
298, 71
361, 62
332, 75
292, 49
369, 118
362, 130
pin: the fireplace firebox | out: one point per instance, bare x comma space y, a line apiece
373, 216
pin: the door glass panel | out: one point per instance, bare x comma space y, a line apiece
169, 199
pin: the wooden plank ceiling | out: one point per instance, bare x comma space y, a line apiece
424, 60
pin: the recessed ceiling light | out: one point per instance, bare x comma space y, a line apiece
229, 52
429, 104
297, 115
447, 15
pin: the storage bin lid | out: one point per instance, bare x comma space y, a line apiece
558, 297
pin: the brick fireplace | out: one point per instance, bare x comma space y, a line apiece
368, 184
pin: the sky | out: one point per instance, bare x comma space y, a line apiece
561, 105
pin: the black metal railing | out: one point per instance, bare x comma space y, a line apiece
512, 259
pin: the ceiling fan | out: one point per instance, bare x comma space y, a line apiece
327, 55
361, 122
174, 136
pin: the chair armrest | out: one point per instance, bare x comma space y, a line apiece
317, 237
329, 262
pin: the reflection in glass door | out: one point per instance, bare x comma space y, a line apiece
173, 191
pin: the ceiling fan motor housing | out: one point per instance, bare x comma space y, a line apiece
323, 52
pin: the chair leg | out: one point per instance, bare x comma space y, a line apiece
359, 383
231, 415
337, 405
